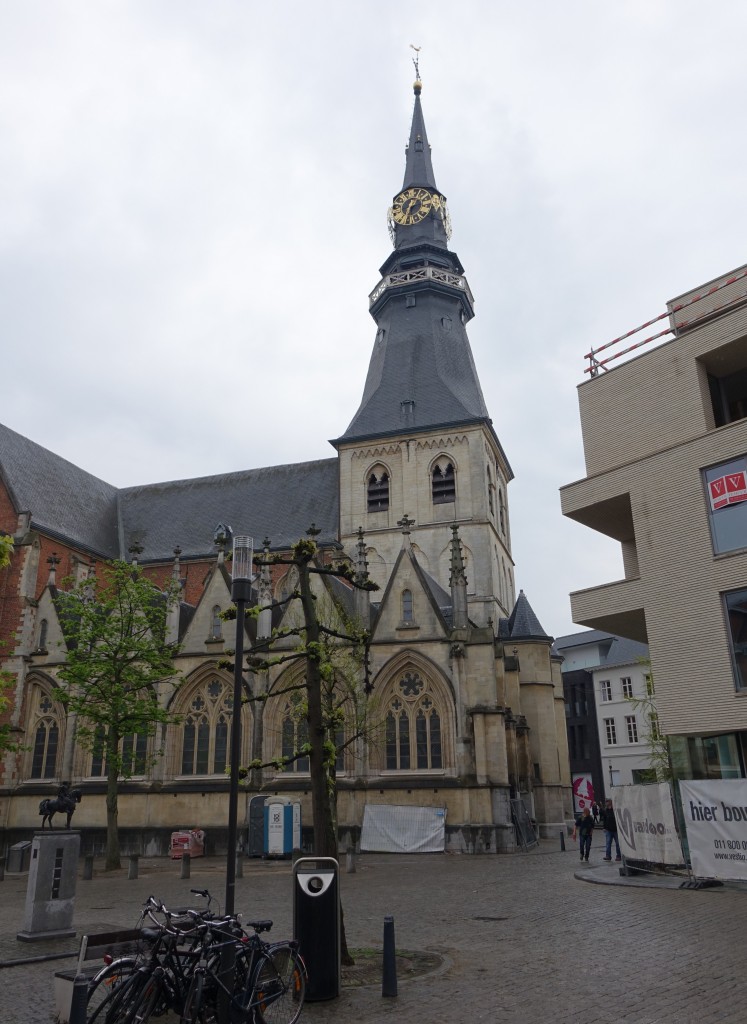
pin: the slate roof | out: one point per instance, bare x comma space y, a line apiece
279, 502
522, 624
63, 499
620, 651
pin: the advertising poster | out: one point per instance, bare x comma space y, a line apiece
715, 813
645, 824
583, 792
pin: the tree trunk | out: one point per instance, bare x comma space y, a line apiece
322, 797
112, 828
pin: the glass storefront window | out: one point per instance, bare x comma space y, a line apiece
736, 616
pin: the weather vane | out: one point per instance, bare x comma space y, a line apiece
416, 58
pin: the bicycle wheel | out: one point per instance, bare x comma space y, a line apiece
136, 1000
104, 985
279, 986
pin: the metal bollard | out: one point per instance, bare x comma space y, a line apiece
79, 1002
562, 841
88, 867
389, 979
186, 864
132, 873
350, 861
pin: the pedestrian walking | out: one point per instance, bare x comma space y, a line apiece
595, 812
584, 830
609, 822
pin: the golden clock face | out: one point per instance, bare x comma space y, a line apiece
412, 205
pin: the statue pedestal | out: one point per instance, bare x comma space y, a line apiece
50, 895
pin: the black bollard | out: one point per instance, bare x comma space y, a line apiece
134, 860
88, 868
389, 979
186, 864
79, 1002
562, 841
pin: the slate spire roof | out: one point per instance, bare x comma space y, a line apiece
418, 164
522, 624
422, 375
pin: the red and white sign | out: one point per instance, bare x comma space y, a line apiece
728, 490
583, 792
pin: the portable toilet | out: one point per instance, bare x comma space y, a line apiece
282, 826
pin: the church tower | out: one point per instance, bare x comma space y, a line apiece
422, 444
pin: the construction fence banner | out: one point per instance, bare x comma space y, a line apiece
715, 812
645, 824
395, 829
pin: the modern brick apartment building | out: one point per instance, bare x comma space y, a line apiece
665, 442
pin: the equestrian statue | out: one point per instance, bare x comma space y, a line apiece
65, 801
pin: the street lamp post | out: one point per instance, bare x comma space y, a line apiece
241, 588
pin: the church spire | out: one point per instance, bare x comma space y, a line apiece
418, 164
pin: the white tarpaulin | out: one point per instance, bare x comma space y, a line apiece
388, 829
715, 813
645, 824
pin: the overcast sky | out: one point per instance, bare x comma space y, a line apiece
193, 212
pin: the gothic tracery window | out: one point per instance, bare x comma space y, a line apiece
45, 730
206, 728
294, 734
413, 740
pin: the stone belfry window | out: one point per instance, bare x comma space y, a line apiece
443, 483
377, 491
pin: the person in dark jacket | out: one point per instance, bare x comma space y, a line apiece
584, 830
609, 823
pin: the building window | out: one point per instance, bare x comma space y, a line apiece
378, 491
46, 742
413, 727
726, 490
502, 512
205, 748
491, 493
632, 727
407, 615
605, 690
43, 626
736, 613
294, 736
134, 750
609, 725
653, 721
627, 687
216, 624
443, 483
649, 679
45, 729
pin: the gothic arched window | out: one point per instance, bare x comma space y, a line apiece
407, 607
294, 732
43, 627
491, 493
133, 749
216, 624
501, 512
443, 482
45, 730
413, 727
377, 490
205, 747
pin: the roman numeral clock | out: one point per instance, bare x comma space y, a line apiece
413, 205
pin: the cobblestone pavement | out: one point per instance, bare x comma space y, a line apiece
524, 938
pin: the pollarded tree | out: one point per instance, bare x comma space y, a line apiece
118, 662
331, 695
